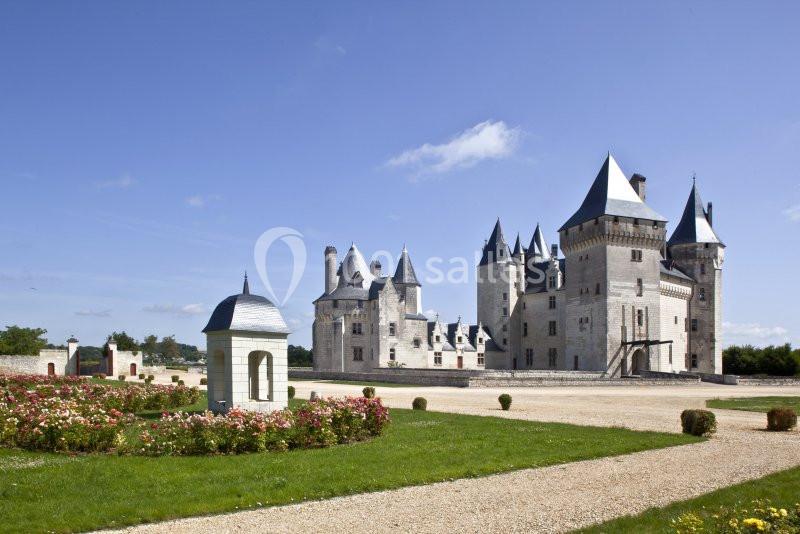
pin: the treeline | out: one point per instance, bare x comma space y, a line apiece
774, 360
300, 356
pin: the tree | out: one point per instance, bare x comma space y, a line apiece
300, 356
123, 340
23, 341
150, 345
169, 348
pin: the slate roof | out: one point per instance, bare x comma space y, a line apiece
246, 313
496, 244
404, 274
538, 246
534, 281
517, 247
454, 329
694, 226
352, 265
611, 194
668, 267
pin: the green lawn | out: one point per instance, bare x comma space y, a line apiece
41, 492
755, 404
353, 383
783, 489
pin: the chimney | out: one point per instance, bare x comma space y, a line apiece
638, 184
331, 279
554, 251
375, 268
710, 214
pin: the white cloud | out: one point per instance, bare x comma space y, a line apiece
487, 140
185, 310
196, 201
793, 213
754, 333
93, 313
123, 182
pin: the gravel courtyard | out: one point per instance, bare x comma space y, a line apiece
551, 499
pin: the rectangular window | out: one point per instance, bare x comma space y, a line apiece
481, 359
438, 339
694, 361
505, 296
552, 357
529, 357
551, 329
702, 295
505, 341
524, 329
392, 354
335, 303
505, 328
357, 329
392, 329
636, 255
417, 342
360, 304
437, 358
694, 325
670, 354
460, 339
505, 312
639, 287
358, 354
640, 317
597, 288
551, 301
702, 268
676, 319
552, 282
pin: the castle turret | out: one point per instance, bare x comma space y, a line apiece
331, 277
498, 280
407, 284
538, 250
697, 250
612, 246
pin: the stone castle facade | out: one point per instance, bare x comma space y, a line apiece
622, 300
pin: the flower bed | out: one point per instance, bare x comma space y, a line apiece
759, 516
73, 415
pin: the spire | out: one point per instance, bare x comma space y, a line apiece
496, 248
246, 286
538, 247
694, 226
611, 194
517, 248
404, 274
354, 269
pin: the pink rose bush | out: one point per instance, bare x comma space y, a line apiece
70, 414
319, 423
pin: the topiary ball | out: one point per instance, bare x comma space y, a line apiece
419, 403
505, 401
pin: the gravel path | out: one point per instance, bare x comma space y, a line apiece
551, 499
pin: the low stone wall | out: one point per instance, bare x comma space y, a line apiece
769, 381
489, 378
729, 380
154, 369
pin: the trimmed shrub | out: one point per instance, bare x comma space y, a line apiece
103, 376
175, 378
181, 382
121, 378
781, 419
420, 403
141, 376
314, 396
290, 391
148, 380
368, 392
698, 422
151, 377
204, 381
505, 401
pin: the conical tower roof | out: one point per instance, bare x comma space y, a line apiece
694, 226
354, 268
496, 247
517, 248
539, 246
404, 274
611, 194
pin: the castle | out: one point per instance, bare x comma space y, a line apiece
623, 300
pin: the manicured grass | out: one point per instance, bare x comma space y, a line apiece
353, 383
782, 489
755, 404
55, 492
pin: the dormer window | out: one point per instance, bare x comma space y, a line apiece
636, 222
616, 220
460, 339
438, 339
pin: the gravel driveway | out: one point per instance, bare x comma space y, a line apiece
551, 499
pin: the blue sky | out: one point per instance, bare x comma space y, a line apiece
145, 147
